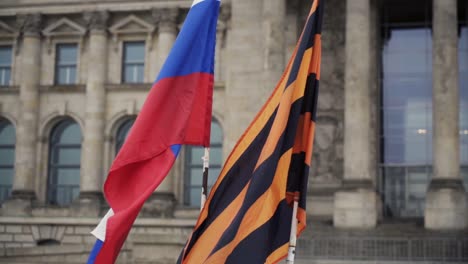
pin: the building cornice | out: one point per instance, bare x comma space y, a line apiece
11, 8
53, 7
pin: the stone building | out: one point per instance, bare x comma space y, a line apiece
390, 165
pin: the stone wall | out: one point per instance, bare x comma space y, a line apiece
327, 162
67, 240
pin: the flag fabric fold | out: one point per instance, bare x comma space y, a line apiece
247, 217
177, 111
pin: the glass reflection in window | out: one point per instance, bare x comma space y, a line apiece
463, 91
406, 113
7, 158
66, 62
122, 134
64, 163
133, 62
194, 166
5, 65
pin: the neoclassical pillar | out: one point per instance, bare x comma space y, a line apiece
166, 21
92, 169
162, 202
356, 204
446, 200
274, 41
26, 138
221, 31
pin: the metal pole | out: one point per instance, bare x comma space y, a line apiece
206, 165
293, 234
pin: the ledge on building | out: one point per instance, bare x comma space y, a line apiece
72, 88
9, 89
126, 87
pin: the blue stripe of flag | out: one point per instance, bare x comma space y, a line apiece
182, 60
94, 252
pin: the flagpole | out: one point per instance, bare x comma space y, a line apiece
206, 165
293, 234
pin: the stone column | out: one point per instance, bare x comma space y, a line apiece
356, 204
26, 138
221, 31
166, 22
92, 162
274, 41
162, 202
245, 81
446, 201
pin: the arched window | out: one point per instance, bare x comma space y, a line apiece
194, 166
122, 134
7, 158
64, 163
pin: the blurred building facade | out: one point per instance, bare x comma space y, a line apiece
391, 141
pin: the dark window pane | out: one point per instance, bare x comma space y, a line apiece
197, 155
64, 163
7, 133
134, 52
5, 56
406, 135
7, 156
66, 75
71, 76
6, 176
5, 76
197, 177
407, 96
195, 197
194, 164
68, 177
133, 62
463, 86
66, 54
128, 74
216, 133
66, 62
464, 175
139, 73
71, 134
216, 156
69, 156
122, 133
5, 65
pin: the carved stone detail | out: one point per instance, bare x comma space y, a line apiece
96, 21
30, 24
166, 19
132, 25
224, 18
64, 27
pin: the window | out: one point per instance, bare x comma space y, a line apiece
406, 107
65, 64
463, 86
194, 166
64, 163
5, 65
122, 134
133, 62
7, 158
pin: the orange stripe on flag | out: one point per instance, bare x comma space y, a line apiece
266, 204
200, 251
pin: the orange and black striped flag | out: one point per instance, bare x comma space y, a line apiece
247, 217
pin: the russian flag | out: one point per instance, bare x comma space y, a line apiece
177, 111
